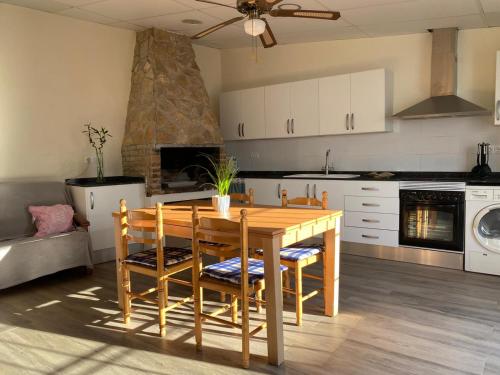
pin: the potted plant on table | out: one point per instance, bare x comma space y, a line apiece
223, 174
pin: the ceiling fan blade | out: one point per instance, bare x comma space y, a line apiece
267, 37
303, 13
215, 3
216, 27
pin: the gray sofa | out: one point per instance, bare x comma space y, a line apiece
24, 257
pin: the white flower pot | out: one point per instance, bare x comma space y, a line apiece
221, 204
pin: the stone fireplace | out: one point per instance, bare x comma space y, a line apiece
168, 107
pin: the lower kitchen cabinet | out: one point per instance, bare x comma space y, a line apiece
266, 191
97, 204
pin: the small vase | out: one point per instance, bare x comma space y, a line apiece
100, 167
221, 204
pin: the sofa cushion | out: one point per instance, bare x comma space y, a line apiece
15, 197
25, 259
52, 219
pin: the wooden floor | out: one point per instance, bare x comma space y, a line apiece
395, 318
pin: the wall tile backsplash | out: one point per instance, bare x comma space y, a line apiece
447, 144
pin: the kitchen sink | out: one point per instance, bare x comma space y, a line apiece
322, 175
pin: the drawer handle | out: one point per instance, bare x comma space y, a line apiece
370, 221
480, 195
370, 204
369, 189
370, 237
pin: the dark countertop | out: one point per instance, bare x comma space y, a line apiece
108, 181
491, 180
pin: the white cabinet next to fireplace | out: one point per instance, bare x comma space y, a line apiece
97, 203
242, 114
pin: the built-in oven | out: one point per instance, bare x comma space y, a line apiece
432, 215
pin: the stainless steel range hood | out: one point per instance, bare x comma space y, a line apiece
444, 101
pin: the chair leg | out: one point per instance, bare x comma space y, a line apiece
234, 308
222, 294
286, 281
245, 331
298, 294
165, 293
258, 297
126, 288
161, 309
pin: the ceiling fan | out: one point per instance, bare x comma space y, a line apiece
256, 25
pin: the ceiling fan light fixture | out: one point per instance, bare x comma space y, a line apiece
254, 26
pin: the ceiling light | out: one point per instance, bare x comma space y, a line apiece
254, 26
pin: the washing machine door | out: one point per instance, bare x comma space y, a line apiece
486, 227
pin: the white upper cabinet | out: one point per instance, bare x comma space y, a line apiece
292, 109
253, 118
355, 103
242, 114
335, 104
369, 102
343, 104
497, 92
277, 111
304, 108
230, 115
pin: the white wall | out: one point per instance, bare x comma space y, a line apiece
55, 74
434, 145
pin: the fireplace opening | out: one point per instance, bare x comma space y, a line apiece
182, 168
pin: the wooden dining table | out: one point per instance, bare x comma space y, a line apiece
269, 228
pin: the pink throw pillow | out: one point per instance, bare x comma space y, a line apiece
52, 219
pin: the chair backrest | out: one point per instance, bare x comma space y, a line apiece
222, 231
143, 223
244, 198
304, 201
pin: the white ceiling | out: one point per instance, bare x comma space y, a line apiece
359, 18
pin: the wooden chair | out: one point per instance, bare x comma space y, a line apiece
300, 255
159, 262
239, 277
223, 251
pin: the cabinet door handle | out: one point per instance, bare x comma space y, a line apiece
352, 121
371, 237
239, 129
370, 221
279, 191
307, 190
314, 191
370, 204
497, 110
288, 126
347, 121
92, 202
243, 129
369, 189
293, 126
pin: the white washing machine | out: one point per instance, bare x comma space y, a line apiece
482, 229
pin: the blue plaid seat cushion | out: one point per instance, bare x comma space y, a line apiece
230, 270
171, 256
298, 251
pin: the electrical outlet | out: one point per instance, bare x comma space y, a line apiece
495, 149
254, 155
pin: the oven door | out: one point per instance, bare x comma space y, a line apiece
432, 220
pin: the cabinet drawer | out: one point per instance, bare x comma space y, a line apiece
372, 204
373, 188
479, 194
371, 236
371, 220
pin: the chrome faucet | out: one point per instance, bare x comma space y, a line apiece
327, 163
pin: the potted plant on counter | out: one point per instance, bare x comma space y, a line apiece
97, 139
223, 174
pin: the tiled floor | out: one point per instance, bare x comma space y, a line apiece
395, 318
